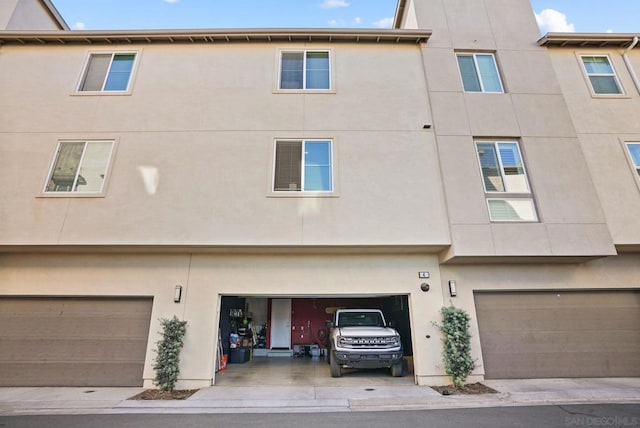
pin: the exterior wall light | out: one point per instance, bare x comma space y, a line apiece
452, 288
424, 287
177, 294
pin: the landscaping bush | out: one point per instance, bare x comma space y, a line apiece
457, 344
167, 362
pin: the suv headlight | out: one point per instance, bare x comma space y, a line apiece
395, 340
345, 341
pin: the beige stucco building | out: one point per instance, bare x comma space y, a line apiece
286, 172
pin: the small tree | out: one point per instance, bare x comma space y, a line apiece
167, 363
457, 344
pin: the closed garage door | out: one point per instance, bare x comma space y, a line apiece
73, 341
559, 334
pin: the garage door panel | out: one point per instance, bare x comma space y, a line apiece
79, 327
571, 364
71, 374
589, 341
70, 349
547, 319
560, 333
42, 340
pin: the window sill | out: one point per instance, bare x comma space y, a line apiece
303, 195
610, 96
304, 91
71, 195
100, 93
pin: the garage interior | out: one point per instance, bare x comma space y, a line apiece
285, 334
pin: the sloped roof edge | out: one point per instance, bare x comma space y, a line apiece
397, 19
55, 14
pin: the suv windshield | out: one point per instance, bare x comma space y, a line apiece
360, 319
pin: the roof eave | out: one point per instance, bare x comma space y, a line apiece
215, 35
617, 40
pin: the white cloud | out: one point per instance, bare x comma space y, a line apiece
609, 31
357, 20
171, 1
332, 4
79, 26
333, 23
552, 21
384, 23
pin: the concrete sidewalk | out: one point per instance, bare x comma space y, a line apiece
300, 399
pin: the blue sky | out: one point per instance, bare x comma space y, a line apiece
620, 16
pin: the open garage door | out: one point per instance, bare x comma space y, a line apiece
544, 334
73, 341
247, 332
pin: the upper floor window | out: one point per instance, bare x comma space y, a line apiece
107, 72
634, 151
505, 182
479, 72
303, 166
601, 75
305, 70
79, 166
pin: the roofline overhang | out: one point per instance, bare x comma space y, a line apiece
298, 35
587, 40
55, 14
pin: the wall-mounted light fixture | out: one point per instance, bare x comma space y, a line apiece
452, 288
177, 294
426, 126
424, 287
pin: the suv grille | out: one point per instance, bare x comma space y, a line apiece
369, 342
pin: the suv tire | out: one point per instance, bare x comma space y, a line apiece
336, 369
396, 369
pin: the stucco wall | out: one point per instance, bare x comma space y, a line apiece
531, 110
604, 124
207, 277
204, 119
26, 15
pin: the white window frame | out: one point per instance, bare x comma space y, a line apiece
102, 91
632, 162
474, 55
330, 54
79, 194
508, 194
304, 193
614, 74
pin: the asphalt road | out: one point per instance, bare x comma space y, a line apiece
592, 415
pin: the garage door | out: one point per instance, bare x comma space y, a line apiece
559, 334
73, 341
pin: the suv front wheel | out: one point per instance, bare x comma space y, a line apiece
336, 369
396, 369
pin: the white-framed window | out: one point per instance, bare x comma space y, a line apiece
634, 153
505, 181
601, 74
108, 72
303, 166
79, 167
479, 72
305, 70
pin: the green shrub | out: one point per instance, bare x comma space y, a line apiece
167, 362
457, 344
